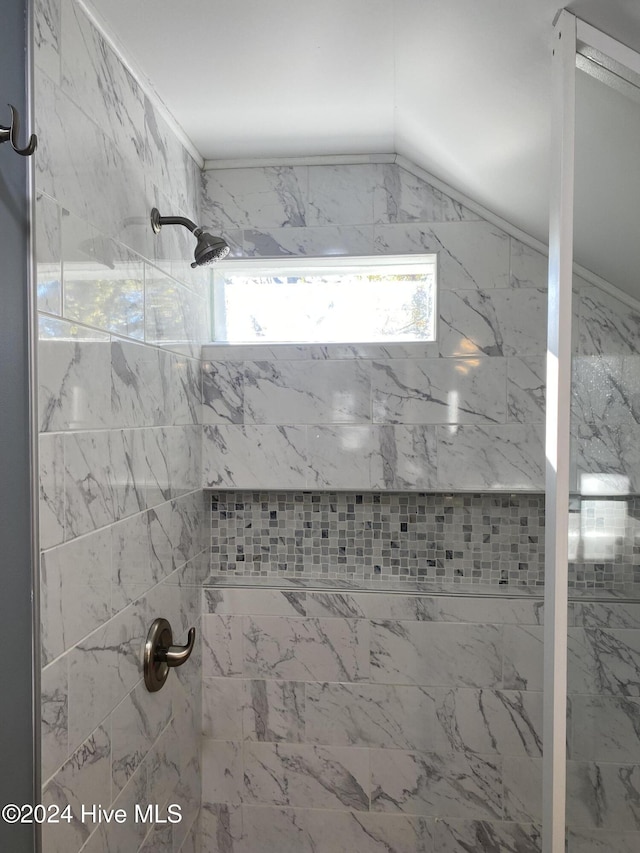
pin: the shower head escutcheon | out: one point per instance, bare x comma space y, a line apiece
209, 249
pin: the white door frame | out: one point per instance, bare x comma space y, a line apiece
573, 41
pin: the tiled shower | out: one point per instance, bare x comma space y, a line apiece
366, 575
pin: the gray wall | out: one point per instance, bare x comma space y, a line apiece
16, 609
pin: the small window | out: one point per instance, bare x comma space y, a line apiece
325, 300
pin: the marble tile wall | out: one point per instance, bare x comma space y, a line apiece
364, 721
121, 504
409, 722
463, 413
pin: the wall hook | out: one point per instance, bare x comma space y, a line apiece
10, 134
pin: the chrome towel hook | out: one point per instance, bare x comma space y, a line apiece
10, 134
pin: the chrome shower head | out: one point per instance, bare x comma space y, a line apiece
209, 249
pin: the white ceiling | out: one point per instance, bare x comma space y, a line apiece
460, 87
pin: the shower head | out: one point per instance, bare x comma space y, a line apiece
208, 249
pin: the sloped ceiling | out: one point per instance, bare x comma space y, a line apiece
460, 87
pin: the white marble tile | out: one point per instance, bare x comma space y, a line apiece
529, 268
342, 456
342, 195
526, 389
54, 329
442, 391
95, 78
522, 779
103, 668
127, 486
504, 836
602, 841
601, 615
223, 708
255, 602
55, 716
269, 197
185, 390
221, 772
493, 322
307, 393
47, 37
597, 391
405, 459
630, 387
494, 610
607, 326
605, 728
604, 661
221, 352
603, 795
401, 608
311, 649
48, 241
103, 280
75, 591
436, 654
135, 725
400, 196
223, 392
489, 722
141, 385
273, 830
523, 657
133, 571
222, 645
51, 490
254, 456
175, 317
153, 465
184, 450
303, 775
345, 832
471, 255
491, 457
74, 381
274, 711
170, 168
608, 449
311, 242
336, 604
370, 715
84, 779
452, 785
220, 827
163, 761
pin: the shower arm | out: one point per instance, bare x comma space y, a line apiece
158, 221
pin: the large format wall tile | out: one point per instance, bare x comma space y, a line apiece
301, 775
295, 392
429, 654
306, 649
436, 785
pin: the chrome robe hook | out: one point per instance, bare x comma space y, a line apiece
10, 134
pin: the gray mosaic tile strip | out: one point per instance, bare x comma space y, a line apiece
379, 537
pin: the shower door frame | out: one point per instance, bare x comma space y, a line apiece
572, 38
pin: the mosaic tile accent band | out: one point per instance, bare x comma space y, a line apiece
371, 538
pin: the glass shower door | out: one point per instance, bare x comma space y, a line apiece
603, 677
